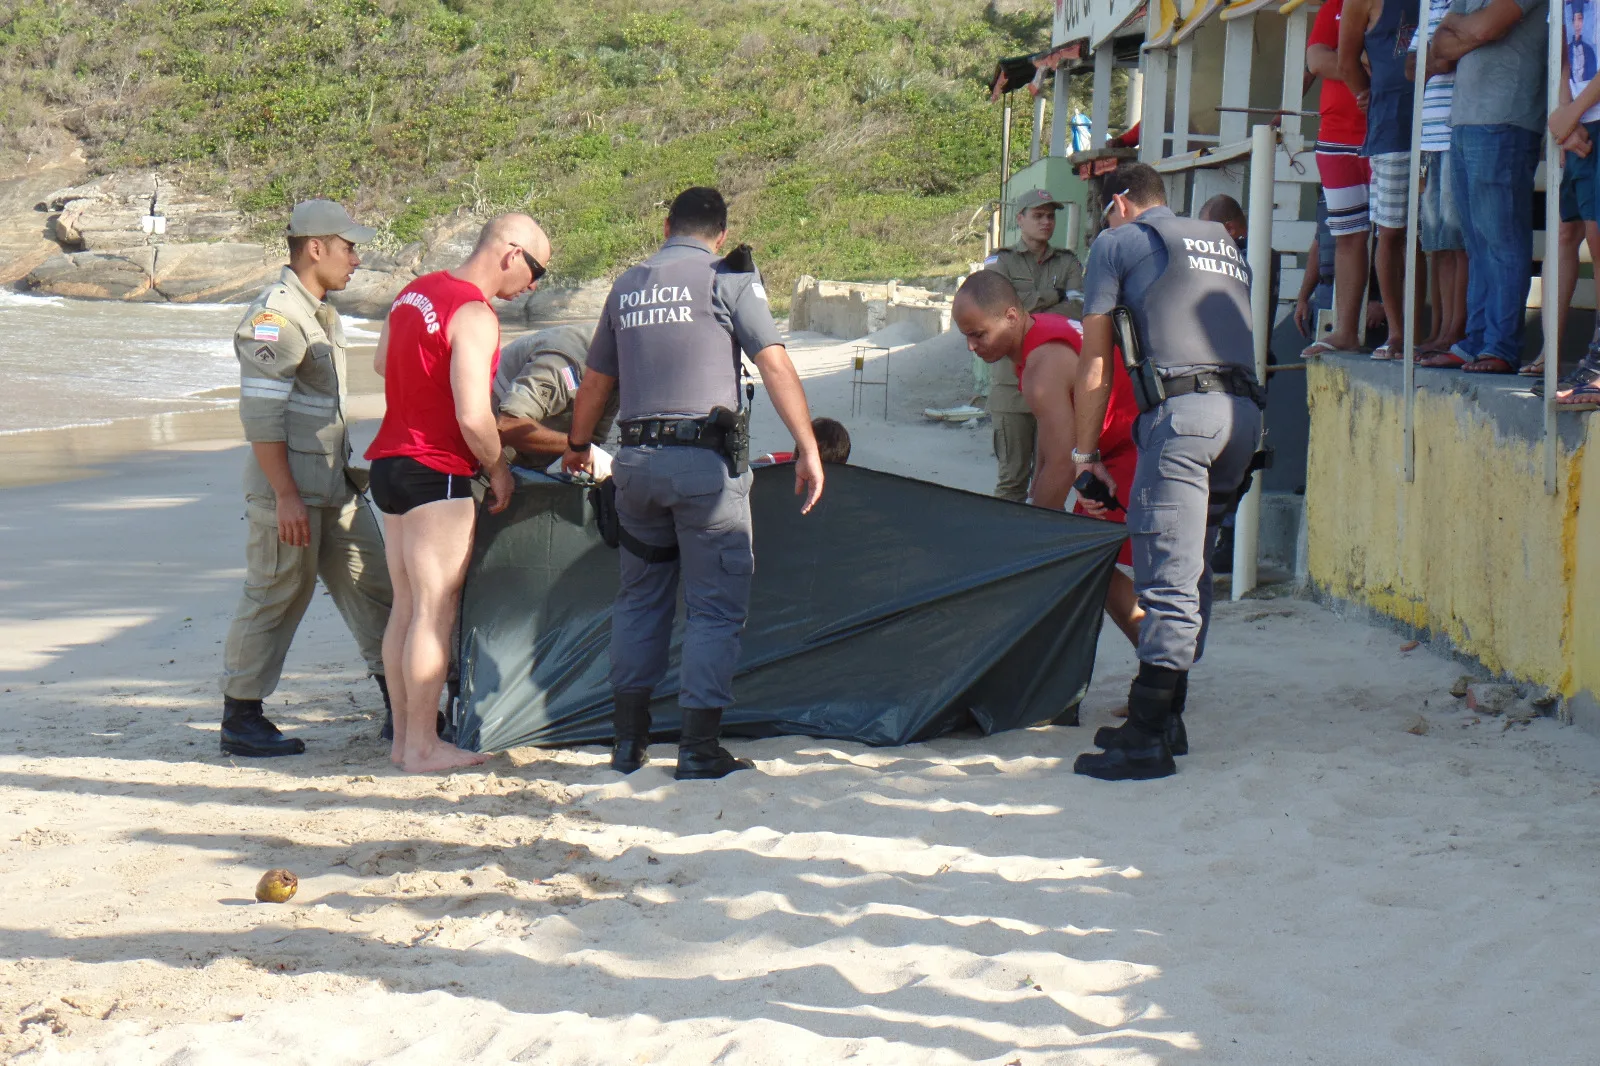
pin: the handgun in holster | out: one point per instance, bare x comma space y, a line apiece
1148, 390
735, 427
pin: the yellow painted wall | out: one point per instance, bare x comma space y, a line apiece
1473, 548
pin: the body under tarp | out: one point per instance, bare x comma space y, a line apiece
896, 611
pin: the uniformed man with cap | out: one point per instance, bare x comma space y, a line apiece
1046, 279
304, 517
1187, 294
534, 388
669, 342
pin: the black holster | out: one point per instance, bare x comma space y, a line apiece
735, 447
1149, 391
603, 497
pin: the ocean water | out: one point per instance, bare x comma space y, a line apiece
86, 362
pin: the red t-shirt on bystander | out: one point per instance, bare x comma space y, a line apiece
1342, 120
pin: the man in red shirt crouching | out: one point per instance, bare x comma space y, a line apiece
1045, 349
437, 355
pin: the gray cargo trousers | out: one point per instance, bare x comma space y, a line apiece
1194, 452
667, 494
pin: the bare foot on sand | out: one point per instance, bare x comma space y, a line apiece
396, 753
439, 756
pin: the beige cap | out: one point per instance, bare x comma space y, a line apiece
324, 218
1036, 198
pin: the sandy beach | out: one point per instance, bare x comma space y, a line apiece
1350, 867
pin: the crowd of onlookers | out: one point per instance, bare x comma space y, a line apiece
1484, 118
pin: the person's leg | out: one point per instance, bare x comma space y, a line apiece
1122, 606
394, 634
1344, 180
1428, 225
436, 545
1500, 162
1013, 451
714, 534
352, 567
1470, 346
641, 617
1391, 186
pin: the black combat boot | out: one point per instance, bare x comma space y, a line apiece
387, 732
700, 757
630, 725
246, 731
1111, 736
1141, 753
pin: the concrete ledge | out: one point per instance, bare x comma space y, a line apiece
1471, 555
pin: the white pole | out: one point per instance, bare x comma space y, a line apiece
1100, 105
1408, 374
1247, 522
1038, 127
1549, 297
1058, 112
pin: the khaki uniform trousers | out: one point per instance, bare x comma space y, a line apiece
1014, 431
346, 552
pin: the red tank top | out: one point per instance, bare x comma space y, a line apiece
1116, 432
420, 418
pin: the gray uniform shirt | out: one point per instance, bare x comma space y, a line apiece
669, 360
1502, 83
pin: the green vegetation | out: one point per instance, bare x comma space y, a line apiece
854, 139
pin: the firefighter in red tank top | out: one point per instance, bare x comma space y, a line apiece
1044, 348
437, 355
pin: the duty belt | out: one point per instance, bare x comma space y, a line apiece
1232, 382
672, 432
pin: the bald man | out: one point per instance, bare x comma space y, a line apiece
1044, 347
437, 355
1226, 212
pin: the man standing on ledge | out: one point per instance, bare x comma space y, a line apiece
1047, 279
437, 355
670, 340
1189, 299
305, 519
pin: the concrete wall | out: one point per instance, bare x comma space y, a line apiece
1473, 549
851, 309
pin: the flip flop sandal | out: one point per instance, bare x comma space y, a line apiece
1534, 369
1317, 349
1477, 366
1586, 375
1384, 354
1582, 398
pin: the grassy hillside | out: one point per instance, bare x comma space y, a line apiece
854, 139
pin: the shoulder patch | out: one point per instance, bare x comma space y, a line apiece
266, 326
569, 377
265, 354
759, 289
991, 261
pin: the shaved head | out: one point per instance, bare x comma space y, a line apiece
990, 292
989, 314
503, 263
1225, 210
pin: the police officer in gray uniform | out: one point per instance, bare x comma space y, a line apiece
669, 342
1187, 295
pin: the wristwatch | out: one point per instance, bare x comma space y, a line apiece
1086, 457
578, 447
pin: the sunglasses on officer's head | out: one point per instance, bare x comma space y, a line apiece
1105, 215
536, 268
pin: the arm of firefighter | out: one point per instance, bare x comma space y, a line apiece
789, 400
1093, 392
587, 407
1047, 385
474, 333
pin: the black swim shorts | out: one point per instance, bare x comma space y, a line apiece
400, 483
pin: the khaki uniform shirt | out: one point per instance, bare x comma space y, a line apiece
1054, 285
539, 376
291, 351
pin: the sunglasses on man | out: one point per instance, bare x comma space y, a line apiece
536, 268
